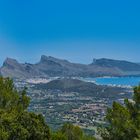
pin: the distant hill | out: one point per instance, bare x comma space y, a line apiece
67, 84
50, 66
83, 88
122, 65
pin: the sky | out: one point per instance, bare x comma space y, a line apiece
77, 30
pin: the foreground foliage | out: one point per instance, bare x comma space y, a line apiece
123, 120
15, 122
71, 132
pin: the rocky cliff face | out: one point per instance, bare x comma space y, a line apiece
12, 68
50, 66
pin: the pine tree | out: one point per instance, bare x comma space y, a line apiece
123, 121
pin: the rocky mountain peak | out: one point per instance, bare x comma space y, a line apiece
45, 58
10, 61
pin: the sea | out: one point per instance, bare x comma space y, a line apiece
115, 81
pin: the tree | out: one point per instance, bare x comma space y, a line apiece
74, 132
16, 123
123, 121
58, 136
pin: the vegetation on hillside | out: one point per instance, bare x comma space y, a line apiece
83, 88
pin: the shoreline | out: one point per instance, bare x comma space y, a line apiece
95, 81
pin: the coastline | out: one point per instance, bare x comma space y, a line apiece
122, 82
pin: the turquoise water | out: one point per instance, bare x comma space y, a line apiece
119, 81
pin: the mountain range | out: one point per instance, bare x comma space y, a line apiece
50, 66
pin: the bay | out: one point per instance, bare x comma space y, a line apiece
115, 81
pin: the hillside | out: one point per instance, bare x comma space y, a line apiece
83, 88
124, 66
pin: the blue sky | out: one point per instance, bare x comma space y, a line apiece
76, 30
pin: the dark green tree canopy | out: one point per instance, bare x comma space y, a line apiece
16, 123
71, 132
123, 120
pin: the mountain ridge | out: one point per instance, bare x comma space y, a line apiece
51, 66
